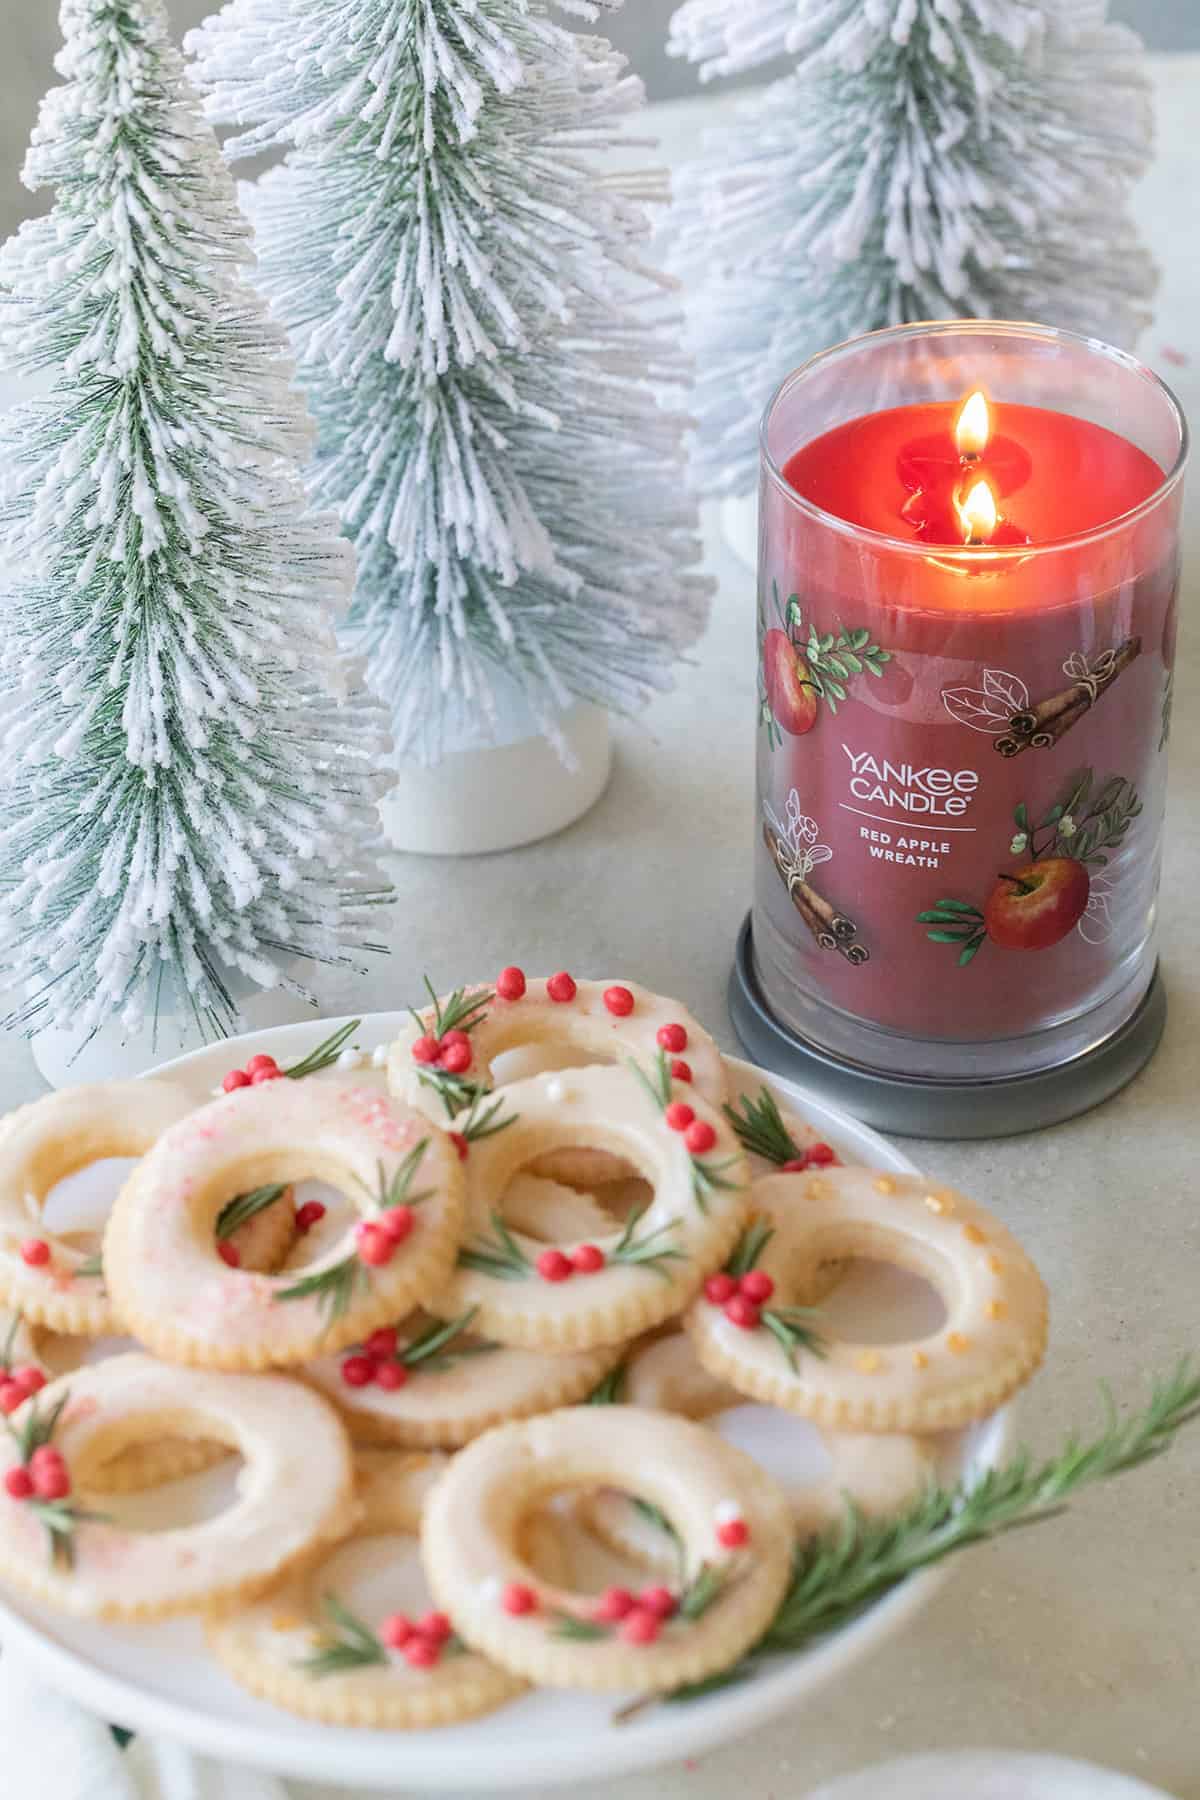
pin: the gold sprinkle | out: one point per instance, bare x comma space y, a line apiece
973, 1234
870, 1362
957, 1343
885, 1185
996, 1265
817, 1189
940, 1203
920, 1360
283, 1621
995, 1309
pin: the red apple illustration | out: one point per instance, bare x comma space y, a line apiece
1038, 905
789, 685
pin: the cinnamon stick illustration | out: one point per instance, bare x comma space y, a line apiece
831, 929
1041, 727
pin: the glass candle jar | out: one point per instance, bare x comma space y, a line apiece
966, 632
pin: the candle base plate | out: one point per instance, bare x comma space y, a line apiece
917, 1106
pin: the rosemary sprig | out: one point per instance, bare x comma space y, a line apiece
486, 1123
747, 1252
456, 1092
92, 1269
59, 1517
838, 1574
10, 1339
333, 1287
654, 1515
578, 1631
708, 1178
36, 1428
760, 1127
398, 1191
792, 1330
658, 1082
246, 1207
500, 1256
462, 1011
428, 1351
325, 1054
703, 1591
609, 1391
648, 1252
348, 1644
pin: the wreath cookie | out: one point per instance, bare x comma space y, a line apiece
747, 1332
443, 1061
582, 1296
295, 1493
732, 1520
50, 1279
303, 1648
179, 1297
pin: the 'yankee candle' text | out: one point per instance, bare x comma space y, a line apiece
932, 793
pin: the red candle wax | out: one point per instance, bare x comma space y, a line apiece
961, 756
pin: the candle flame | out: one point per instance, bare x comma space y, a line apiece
973, 427
980, 514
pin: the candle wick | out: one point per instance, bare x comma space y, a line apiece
969, 456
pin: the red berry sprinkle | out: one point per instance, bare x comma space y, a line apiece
30, 1378
236, 1078
561, 987
455, 1037
12, 1395
265, 1075
461, 1145
615, 1603
51, 1481
658, 1600
19, 1484
619, 1001
456, 1058
310, 1214
681, 1071
821, 1155
679, 1115
518, 1599
720, 1287
390, 1376
375, 1247
588, 1259
552, 1265
673, 1038
700, 1137
382, 1342
230, 1255
436, 1627
46, 1457
733, 1534
757, 1285
260, 1062
743, 1312
396, 1223
422, 1652
358, 1371
797, 1166
396, 1631
35, 1252
510, 983
641, 1627
426, 1050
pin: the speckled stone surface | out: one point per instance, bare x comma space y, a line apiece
1081, 1638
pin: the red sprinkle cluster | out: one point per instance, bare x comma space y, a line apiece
44, 1477
817, 1156
698, 1134
379, 1239
18, 1385
420, 1642
743, 1298
452, 1053
257, 1070
557, 1265
376, 1364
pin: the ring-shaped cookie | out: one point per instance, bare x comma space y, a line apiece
296, 1491
172, 1291
581, 1020
451, 1391
272, 1648
878, 1473
993, 1338
40, 1145
732, 1520
557, 1299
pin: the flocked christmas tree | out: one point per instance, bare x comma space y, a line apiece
461, 274
926, 159
187, 798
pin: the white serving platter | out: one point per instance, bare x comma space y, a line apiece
161, 1681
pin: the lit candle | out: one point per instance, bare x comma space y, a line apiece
966, 635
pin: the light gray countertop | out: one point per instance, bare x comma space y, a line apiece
1082, 1637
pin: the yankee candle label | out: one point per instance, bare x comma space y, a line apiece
916, 798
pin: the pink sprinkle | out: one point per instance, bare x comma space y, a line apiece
1179, 358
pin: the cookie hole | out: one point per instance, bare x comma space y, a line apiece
564, 1549
877, 1303
174, 1505
524, 1060
77, 1207
61, 1352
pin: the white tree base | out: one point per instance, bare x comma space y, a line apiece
739, 527
116, 1054
501, 796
